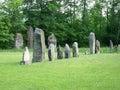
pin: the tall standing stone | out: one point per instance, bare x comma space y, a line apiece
118, 47
18, 40
51, 52
67, 51
92, 43
30, 37
75, 49
97, 47
52, 40
38, 46
111, 46
26, 57
59, 52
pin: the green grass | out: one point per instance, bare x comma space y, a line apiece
86, 72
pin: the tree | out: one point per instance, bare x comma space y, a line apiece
11, 22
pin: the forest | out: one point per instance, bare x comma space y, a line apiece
68, 20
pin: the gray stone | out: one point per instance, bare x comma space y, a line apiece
75, 49
111, 46
67, 51
30, 37
59, 52
92, 43
52, 40
26, 57
51, 52
18, 40
38, 46
118, 47
97, 47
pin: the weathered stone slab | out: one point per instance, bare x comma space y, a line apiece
67, 51
26, 57
75, 49
18, 41
38, 46
97, 47
92, 43
51, 52
30, 37
111, 46
59, 52
52, 40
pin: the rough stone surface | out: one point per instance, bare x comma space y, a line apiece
97, 47
111, 46
59, 52
38, 46
92, 43
30, 37
67, 51
52, 40
18, 41
118, 48
75, 49
26, 57
51, 52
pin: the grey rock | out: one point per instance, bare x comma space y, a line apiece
118, 47
111, 46
97, 47
92, 43
52, 40
67, 51
18, 41
59, 52
38, 46
51, 52
30, 37
75, 49
26, 57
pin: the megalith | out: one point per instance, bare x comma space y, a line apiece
111, 46
51, 52
38, 46
92, 43
18, 41
30, 37
67, 51
59, 52
26, 57
52, 40
97, 46
75, 49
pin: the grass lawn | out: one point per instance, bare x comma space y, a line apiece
86, 72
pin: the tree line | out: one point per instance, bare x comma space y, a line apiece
69, 20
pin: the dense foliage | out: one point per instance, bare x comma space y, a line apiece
69, 20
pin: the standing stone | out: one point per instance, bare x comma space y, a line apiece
51, 52
92, 43
111, 46
38, 46
75, 49
18, 41
67, 51
26, 57
118, 47
97, 47
30, 37
59, 53
52, 40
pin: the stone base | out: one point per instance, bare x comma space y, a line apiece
24, 62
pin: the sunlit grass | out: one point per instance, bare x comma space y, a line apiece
86, 72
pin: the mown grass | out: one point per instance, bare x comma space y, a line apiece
86, 72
